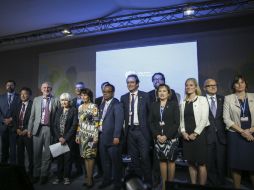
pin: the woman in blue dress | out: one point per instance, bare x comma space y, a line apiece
238, 116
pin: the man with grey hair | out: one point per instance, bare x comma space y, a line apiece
216, 136
40, 127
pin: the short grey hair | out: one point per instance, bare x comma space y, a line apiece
65, 96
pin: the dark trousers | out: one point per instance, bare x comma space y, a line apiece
98, 160
76, 158
9, 146
139, 150
25, 143
216, 163
156, 168
64, 165
111, 163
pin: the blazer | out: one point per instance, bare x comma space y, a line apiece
98, 101
74, 103
112, 124
71, 125
143, 112
5, 112
216, 123
35, 117
153, 96
26, 116
201, 114
232, 110
170, 116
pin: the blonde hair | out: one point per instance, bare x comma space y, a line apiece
198, 91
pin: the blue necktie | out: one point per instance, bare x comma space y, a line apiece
213, 107
132, 109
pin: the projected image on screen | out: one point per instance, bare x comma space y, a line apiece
176, 61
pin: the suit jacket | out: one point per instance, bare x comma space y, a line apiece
152, 96
35, 117
216, 123
74, 103
201, 114
143, 112
70, 125
5, 111
170, 116
232, 110
98, 101
26, 116
112, 124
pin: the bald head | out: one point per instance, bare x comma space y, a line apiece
210, 86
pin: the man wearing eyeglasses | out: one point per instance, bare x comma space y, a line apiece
110, 138
157, 79
216, 135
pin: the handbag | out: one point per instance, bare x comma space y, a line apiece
166, 150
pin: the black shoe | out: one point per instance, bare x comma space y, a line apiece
35, 180
44, 180
104, 184
98, 175
89, 186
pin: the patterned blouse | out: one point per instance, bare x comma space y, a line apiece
63, 119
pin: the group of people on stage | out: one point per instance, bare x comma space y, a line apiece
216, 132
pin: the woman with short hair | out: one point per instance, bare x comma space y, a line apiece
238, 115
65, 126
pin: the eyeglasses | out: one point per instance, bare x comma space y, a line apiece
158, 79
212, 85
107, 92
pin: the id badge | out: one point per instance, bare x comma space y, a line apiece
130, 113
162, 123
100, 124
244, 119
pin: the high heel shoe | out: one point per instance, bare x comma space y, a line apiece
91, 184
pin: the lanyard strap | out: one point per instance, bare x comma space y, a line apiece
161, 112
244, 106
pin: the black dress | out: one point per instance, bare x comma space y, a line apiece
241, 151
193, 151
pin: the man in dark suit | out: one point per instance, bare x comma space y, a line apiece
40, 127
157, 79
111, 125
75, 154
8, 102
99, 100
216, 135
77, 101
136, 112
21, 119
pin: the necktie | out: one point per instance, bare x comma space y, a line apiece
132, 109
21, 115
213, 106
46, 111
9, 99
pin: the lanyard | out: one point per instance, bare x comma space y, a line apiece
161, 112
243, 107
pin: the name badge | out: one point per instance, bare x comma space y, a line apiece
244, 119
100, 123
162, 123
130, 113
